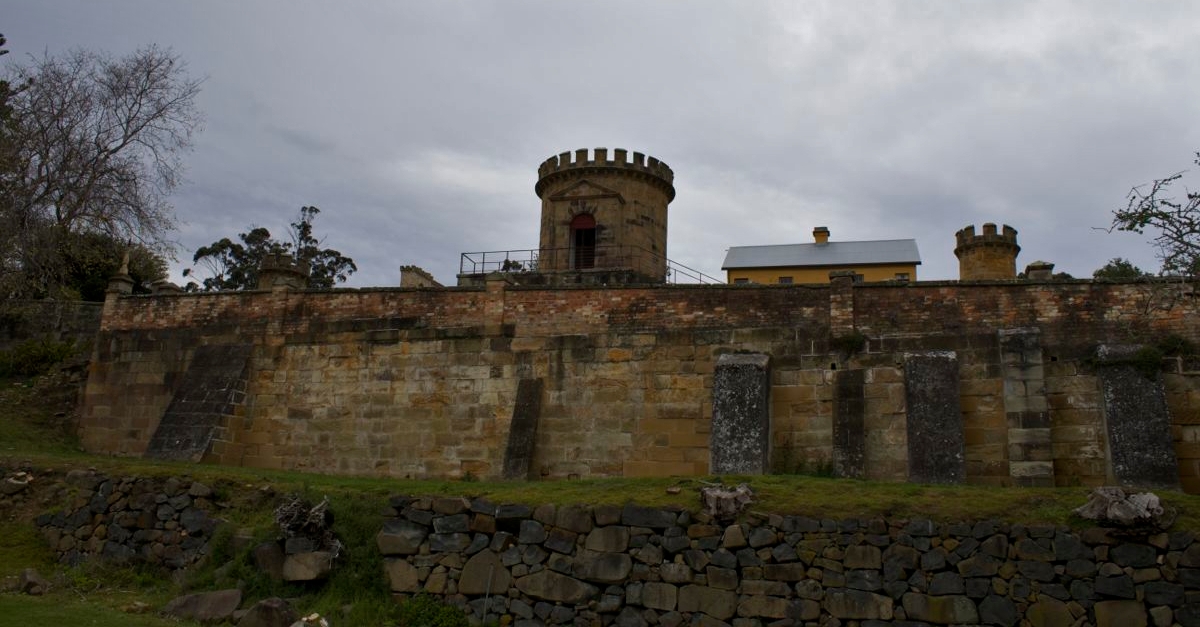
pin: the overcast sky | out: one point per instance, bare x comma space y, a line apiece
417, 127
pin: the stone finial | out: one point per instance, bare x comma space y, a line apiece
1039, 271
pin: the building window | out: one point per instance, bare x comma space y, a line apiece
901, 276
583, 242
742, 281
785, 280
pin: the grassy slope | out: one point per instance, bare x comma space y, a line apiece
29, 435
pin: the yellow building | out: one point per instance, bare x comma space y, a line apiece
879, 260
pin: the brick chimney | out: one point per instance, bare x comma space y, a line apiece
821, 235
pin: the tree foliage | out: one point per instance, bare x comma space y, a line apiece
1176, 220
234, 265
93, 145
1118, 269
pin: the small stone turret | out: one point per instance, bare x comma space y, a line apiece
990, 256
604, 214
282, 271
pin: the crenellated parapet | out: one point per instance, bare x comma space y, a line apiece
987, 256
573, 165
1006, 237
282, 270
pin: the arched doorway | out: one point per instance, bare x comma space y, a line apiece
583, 242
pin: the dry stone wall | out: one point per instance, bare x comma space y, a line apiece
424, 383
632, 565
157, 521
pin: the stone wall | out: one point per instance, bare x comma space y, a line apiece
60, 321
423, 383
633, 565
156, 521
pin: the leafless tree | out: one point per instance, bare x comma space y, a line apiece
97, 146
1176, 220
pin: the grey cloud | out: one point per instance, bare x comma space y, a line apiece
877, 119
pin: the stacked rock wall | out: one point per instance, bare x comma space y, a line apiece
632, 565
157, 521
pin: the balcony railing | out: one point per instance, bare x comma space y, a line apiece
560, 260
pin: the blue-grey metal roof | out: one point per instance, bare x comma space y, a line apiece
827, 254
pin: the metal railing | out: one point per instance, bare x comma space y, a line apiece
593, 258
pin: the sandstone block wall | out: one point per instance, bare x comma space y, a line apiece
422, 383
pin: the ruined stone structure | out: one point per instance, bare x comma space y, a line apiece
988, 256
1003, 383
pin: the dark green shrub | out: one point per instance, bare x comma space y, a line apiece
425, 611
1176, 346
850, 343
34, 357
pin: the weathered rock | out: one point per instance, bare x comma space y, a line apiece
448, 542
205, 607
857, 604
32, 583
733, 538
268, 558
630, 617
402, 576
943, 610
307, 566
603, 567
1049, 612
1120, 614
561, 541
759, 606
273, 612
15, 484
863, 556
532, 532
611, 539
484, 574
1133, 555
446, 506
638, 516
1111, 506
551, 586
1164, 593
659, 596
719, 604
997, 610
454, 523
574, 518
1120, 586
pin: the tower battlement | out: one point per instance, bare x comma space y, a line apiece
991, 255
577, 162
967, 236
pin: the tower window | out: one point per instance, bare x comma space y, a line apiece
583, 241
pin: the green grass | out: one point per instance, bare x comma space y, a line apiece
62, 609
30, 424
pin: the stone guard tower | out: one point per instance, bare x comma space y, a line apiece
605, 217
990, 256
